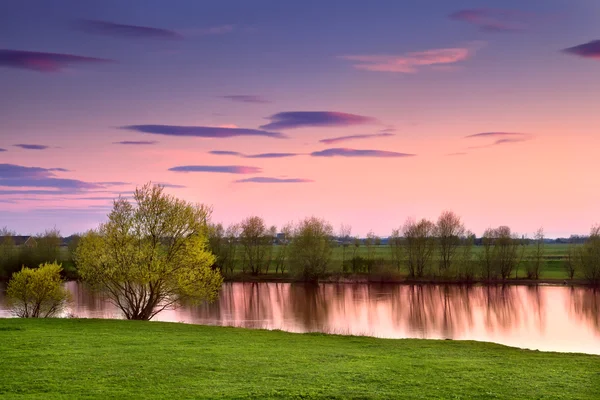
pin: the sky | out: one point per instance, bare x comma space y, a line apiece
363, 113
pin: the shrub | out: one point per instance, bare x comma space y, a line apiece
37, 293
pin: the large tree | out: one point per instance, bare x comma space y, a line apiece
151, 255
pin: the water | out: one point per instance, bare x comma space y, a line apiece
548, 318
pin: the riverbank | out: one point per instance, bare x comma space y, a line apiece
402, 280
77, 358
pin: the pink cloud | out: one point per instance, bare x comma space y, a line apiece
411, 62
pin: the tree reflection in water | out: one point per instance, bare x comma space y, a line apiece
585, 304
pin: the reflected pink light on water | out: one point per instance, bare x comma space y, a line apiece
549, 318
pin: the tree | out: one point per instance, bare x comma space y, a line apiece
570, 263
232, 234
282, 253
395, 243
535, 264
257, 244
310, 249
345, 232
151, 255
419, 241
448, 230
589, 257
8, 253
466, 266
37, 293
501, 254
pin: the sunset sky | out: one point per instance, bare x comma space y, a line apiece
360, 112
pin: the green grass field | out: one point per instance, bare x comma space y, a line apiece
553, 268
102, 359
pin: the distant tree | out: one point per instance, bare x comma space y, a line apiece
356, 243
501, 254
281, 259
464, 258
311, 248
216, 234
536, 262
38, 292
151, 255
570, 263
257, 244
449, 230
419, 243
8, 253
589, 257
345, 232
486, 255
47, 248
230, 247
72, 246
395, 243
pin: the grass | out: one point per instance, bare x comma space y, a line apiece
84, 359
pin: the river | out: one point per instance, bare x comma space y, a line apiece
547, 318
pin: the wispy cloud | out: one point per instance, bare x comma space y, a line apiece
1, 149
247, 98
460, 153
32, 146
225, 169
201, 131
587, 50
494, 20
273, 180
261, 155
123, 30
171, 185
413, 61
209, 31
500, 138
136, 142
354, 137
343, 152
301, 119
43, 62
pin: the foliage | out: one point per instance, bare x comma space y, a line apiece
502, 253
104, 359
589, 257
281, 258
395, 243
310, 249
419, 241
37, 292
448, 230
150, 256
536, 263
257, 244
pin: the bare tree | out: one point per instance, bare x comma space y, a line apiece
570, 263
419, 244
257, 244
486, 256
535, 264
395, 243
230, 245
449, 230
466, 266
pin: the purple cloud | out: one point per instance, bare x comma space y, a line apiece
353, 137
113, 29
226, 169
587, 50
213, 30
261, 155
137, 142
501, 138
497, 134
171, 185
301, 119
342, 152
1, 150
201, 131
493, 20
43, 62
32, 146
12, 175
273, 180
247, 98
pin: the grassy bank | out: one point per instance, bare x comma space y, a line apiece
72, 358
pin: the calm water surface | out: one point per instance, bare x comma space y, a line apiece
549, 318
